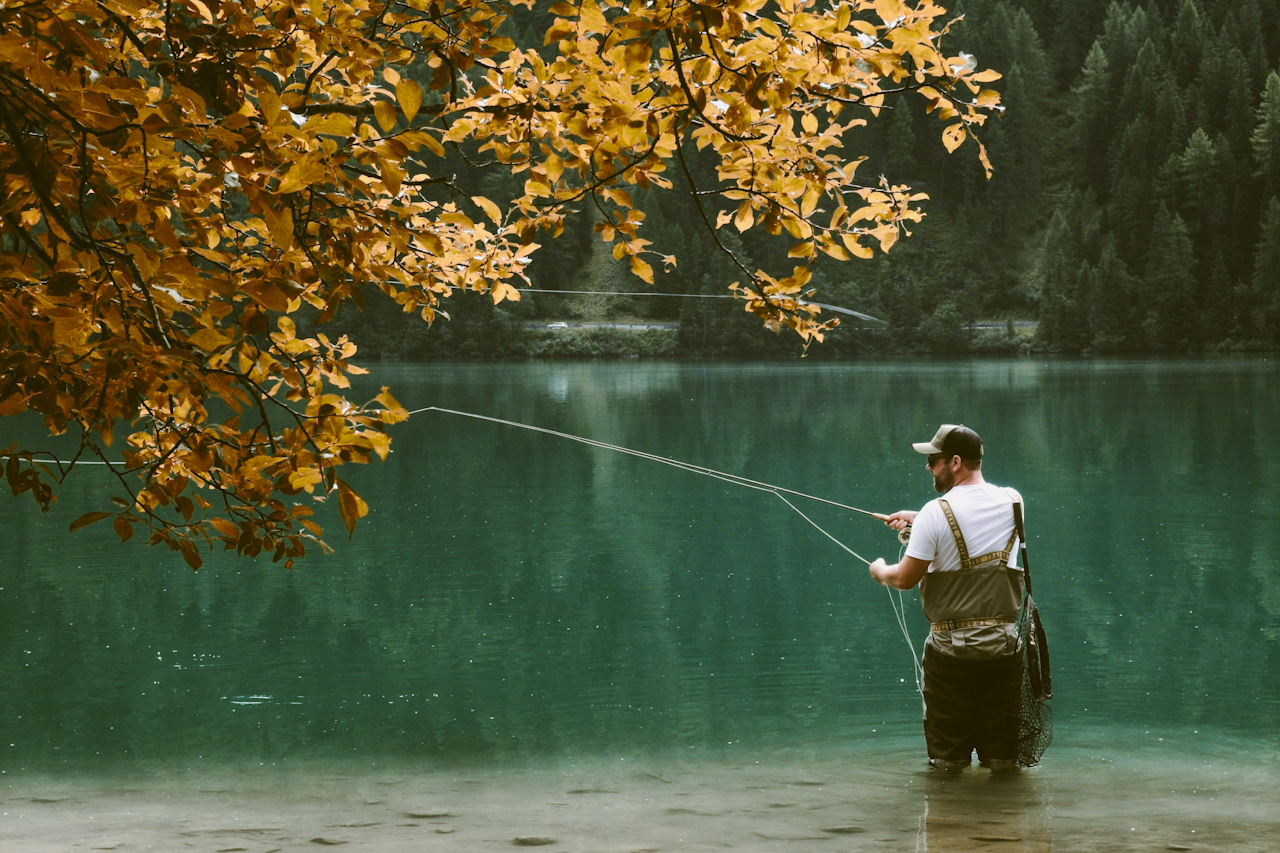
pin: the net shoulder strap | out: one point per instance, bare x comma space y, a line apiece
1022, 544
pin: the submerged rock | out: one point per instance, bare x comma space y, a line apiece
429, 813
532, 840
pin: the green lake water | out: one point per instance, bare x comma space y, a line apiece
521, 614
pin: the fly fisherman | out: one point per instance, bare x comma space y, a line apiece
963, 553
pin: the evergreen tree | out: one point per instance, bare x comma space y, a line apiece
1115, 310
1170, 285
1066, 300
1219, 309
1262, 305
900, 141
1266, 139
1190, 33
1093, 119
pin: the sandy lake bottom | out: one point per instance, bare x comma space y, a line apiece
1202, 795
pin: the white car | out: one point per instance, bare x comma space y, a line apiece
557, 325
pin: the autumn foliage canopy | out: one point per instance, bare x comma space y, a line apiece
181, 178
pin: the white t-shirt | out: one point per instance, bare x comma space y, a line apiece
985, 518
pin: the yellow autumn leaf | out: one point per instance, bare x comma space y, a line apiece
641, 269
953, 136
385, 114
888, 236
208, 340
301, 174
409, 94
490, 209
855, 248
592, 18
503, 291
280, 224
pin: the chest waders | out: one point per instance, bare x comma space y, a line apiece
983, 592
975, 596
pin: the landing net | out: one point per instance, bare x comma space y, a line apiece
1035, 717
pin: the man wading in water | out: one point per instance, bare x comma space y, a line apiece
963, 553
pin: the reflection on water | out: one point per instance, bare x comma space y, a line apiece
515, 598
973, 810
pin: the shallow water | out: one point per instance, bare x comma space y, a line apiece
1215, 795
535, 617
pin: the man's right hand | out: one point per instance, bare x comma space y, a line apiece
899, 520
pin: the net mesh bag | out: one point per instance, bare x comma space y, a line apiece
1035, 718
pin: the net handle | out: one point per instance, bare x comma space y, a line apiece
1022, 543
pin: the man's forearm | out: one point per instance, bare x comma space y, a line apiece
903, 575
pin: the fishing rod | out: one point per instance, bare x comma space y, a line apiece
821, 305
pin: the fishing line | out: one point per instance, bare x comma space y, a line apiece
900, 613
897, 604
822, 305
674, 463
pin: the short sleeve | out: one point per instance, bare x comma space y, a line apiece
923, 544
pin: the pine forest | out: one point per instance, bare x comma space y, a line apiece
1135, 207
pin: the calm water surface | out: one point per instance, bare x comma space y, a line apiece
516, 600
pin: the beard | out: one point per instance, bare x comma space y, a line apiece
943, 482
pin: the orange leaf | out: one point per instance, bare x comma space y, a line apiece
351, 506
190, 554
87, 519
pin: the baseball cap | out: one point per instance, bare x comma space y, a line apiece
953, 440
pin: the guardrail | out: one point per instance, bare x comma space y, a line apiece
563, 326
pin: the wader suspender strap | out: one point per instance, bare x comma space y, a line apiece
967, 562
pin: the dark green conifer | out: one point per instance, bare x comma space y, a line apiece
1262, 319
1173, 321
1266, 139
